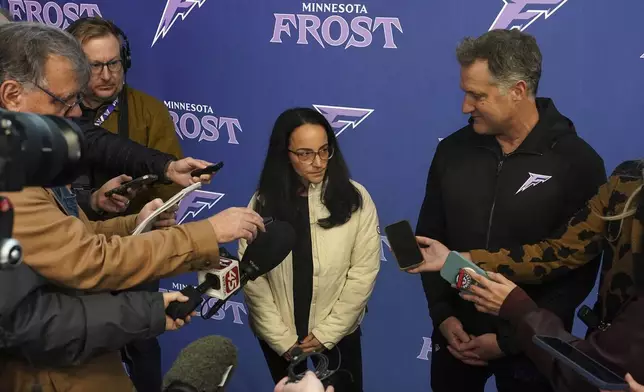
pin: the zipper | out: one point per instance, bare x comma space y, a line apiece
496, 189
499, 166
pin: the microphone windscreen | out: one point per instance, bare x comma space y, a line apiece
270, 248
204, 364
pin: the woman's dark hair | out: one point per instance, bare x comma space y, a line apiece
279, 184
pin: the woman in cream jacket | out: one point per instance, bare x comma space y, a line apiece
316, 298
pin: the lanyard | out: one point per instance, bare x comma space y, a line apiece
106, 113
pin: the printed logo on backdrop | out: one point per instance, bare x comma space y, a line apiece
51, 13
231, 309
174, 9
520, 14
336, 24
426, 349
194, 206
198, 121
195, 203
342, 118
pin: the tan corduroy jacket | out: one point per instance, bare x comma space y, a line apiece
96, 256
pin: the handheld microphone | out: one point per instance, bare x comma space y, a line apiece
218, 283
205, 365
265, 253
268, 250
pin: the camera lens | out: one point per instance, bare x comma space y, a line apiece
46, 150
10, 253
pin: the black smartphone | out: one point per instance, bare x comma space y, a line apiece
597, 374
403, 245
207, 170
134, 185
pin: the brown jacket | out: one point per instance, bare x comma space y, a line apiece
97, 256
620, 347
149, 124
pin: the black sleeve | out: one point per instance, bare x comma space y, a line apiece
117, 155
586, 174
83, 198
51, 328
431, 223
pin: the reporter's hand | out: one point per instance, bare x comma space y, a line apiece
633, 385
179, 171
165, 219
434, 255
309, 383
235, 223
488, 296
170, 324
114, 203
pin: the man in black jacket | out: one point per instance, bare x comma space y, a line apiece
514, 174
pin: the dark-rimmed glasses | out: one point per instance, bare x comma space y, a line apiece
112, 66
69, 106
306, 155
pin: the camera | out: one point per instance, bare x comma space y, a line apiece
35, 150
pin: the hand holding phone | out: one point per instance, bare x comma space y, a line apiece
404, 245
455, 271
212, 169
134, 185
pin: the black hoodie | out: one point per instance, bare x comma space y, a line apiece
479, 198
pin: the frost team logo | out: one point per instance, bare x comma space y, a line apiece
342, 118
50, 13
195, 203
174, 9
520, 14
336, 29
197, 121
533, 180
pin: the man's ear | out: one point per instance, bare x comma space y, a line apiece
11, 95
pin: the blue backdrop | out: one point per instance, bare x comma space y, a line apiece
385, 74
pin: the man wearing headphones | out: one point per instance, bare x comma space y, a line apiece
110, 103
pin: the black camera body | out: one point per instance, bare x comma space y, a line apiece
35, 150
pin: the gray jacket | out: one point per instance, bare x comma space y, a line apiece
46, 326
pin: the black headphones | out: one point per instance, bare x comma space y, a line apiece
125, 53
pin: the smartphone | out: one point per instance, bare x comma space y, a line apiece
596, 373
455, 269
207, 170
403, 245
134, 185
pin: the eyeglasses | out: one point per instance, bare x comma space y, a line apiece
112, 66
77, 99
308, 156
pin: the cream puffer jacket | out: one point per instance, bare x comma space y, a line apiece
346, 261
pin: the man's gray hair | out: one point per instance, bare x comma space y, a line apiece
511, 56
26, 46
